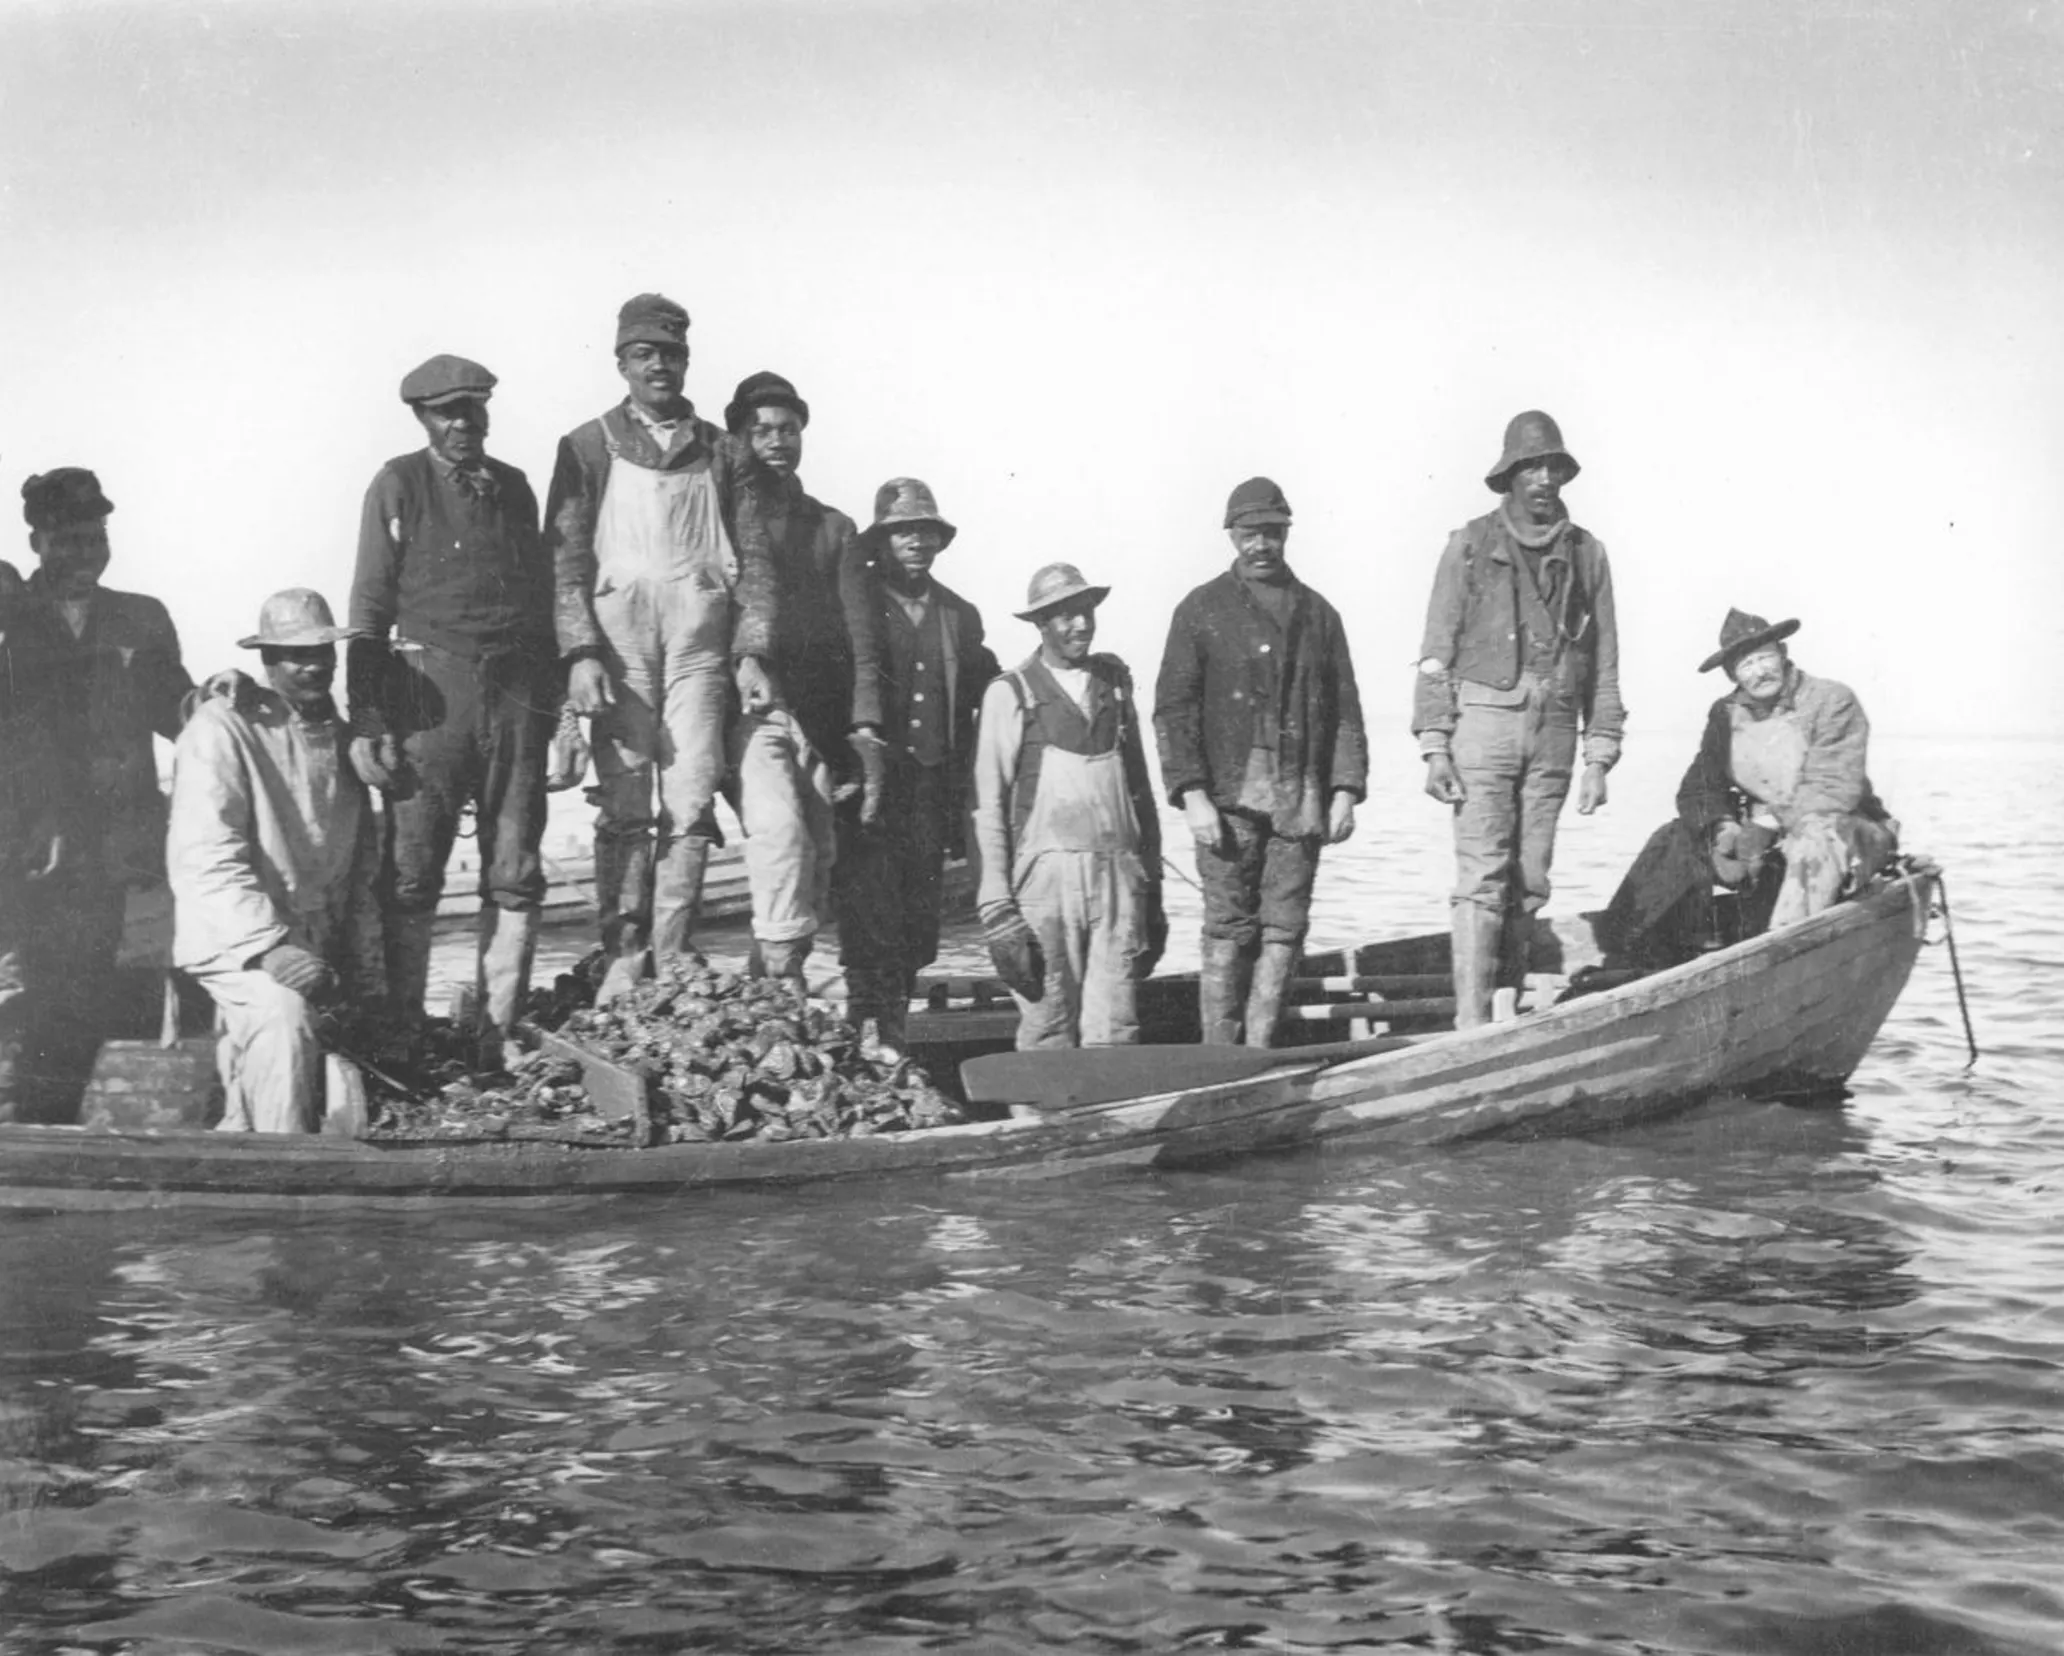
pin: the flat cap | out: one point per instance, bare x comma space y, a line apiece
445, 379
68, 495
652, 318
1257, 500
762, 390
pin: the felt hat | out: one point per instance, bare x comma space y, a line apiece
1257, 500
297, 617
1529, 436
904, 500
1055, 585
762, 390
1740, 633
651, 318
445, 379
58, 499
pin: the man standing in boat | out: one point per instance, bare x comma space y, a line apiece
934, 666
1259, 724
457, 706
273, 858
818, 660
1065, 821
650, 573
1521, 654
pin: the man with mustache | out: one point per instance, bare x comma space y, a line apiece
1521, 654
662, 606
458, 706
273, 859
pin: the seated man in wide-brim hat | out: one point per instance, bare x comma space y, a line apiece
1777, 805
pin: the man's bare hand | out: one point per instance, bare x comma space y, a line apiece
1340, 818
587, 687
1591, 791
755, 687
1207, 827
1443, 780
377, 759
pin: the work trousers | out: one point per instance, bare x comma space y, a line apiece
1088, 911
1515, 763
1258, 883
473, 732
784, 804
1823, 854
57, 982
268, 1055
888, 887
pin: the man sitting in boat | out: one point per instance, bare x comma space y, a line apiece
1776, 806
272, 857
1064, 815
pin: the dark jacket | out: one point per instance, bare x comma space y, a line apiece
40, 732
1831, 780
579, 476
1473, 632
1232, 678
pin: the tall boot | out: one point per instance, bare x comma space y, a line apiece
623, 911
1273, 970
508, 939
1515, 960
1222, 991
1475, 932
677, 902
878, 1007
408, 963
779, 960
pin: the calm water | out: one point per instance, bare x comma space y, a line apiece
1757, 1379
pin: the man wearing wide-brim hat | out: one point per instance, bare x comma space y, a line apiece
1065, 820
454, 685
1777, 805
887, 882
1519, 663
273, 857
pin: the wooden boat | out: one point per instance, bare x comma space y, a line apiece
1788, 1013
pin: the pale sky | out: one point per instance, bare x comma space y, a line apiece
1788, 276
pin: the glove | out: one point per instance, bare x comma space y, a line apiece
293, 967
1153, 936
566, 764
1014, 948
873, 754
377, 759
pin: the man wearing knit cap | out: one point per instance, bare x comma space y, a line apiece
819, 661
454, 685
1065, 818
934, 666
656, 589
1521, 654
1260, 729
273, 859
113, 661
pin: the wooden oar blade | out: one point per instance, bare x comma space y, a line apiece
1073, 1078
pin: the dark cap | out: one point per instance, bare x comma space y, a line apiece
58, 499
765, 389
652, 318
445, 379
1742, 632
1529, 436
904, 500
1257, 500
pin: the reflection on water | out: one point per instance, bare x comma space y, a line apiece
1755, 1378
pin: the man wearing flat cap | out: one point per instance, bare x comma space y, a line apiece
1070, 894
1521, 657
454, 686
112, 661
934, 666
791, 756
662, 606
1259, 724
1776, 805
273, 859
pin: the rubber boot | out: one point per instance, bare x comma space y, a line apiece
677, 902
623, 911
408, 963
1222, 991
1515, 960
878, 1008
1475, 932
779, 960
508, 939
1273, 970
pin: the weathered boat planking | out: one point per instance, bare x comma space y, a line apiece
1788, 1013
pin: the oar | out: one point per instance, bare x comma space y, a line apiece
1069, 1078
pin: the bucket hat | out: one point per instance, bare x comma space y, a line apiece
445, 379
905, 500
1258, 500
60, 498
1057, 584
1529, 436
762, 390
294, 618
1740, 633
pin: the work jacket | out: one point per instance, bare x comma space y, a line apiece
272, 841
1475, 633
1832, 780
1233, 680
581, 475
